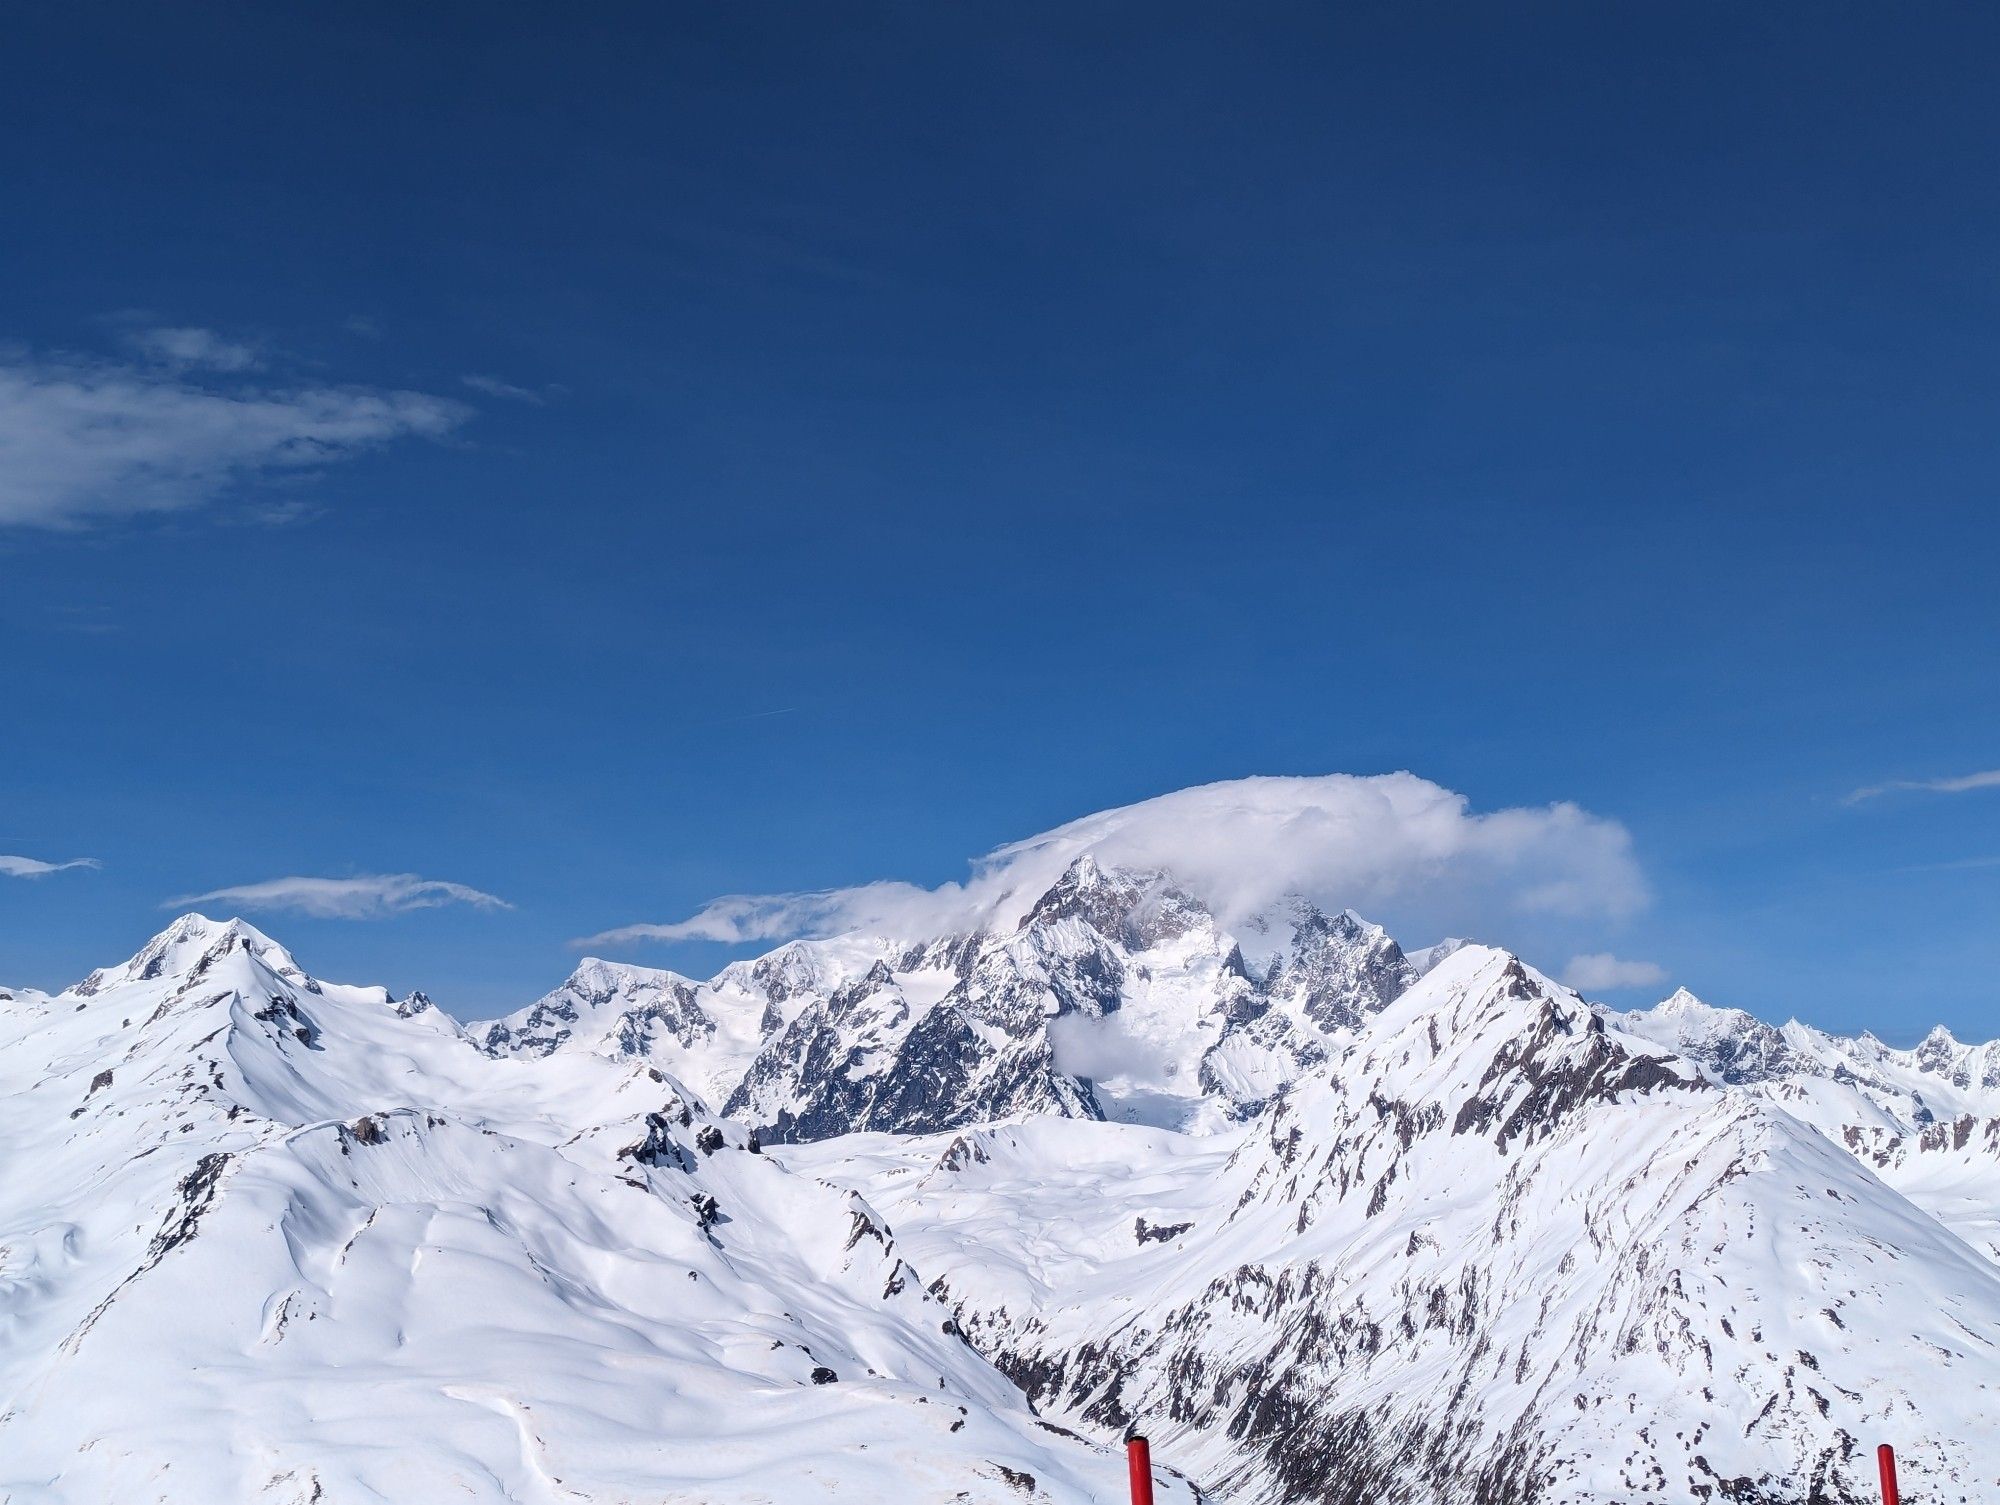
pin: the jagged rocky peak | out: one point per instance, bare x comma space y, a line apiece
1831, 1081
417, 1002
1500, 1253
1938, 1047
1337, 969
591, 1000
1137, 909
1970, 1067
1973, 1068
1114, 990
1334, 970
1731, 1045
1481, 1063
793, 970
191, 947
1499, 1043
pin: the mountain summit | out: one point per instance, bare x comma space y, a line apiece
1117, 994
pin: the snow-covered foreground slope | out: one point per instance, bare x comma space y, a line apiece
1497, 1251
1114, 993
268, 1239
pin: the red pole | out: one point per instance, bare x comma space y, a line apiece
1139, 1458
1886, 1456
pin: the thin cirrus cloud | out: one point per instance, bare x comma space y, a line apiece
1600, 969
493, 386
195, 349
1964, 783
85, 439
1956, 865
371, 896
29, 867
1391, 844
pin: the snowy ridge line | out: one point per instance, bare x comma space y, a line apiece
265, 1238
1447, 1233
1114, 994
1119, 994
1499, 1251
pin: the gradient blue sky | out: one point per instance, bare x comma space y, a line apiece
895, 429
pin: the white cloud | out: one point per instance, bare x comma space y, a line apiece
493, 386
91, 439
1959, 865
28, 867
368, 897
1600, 969
1962, 784
197, 348
1386, 844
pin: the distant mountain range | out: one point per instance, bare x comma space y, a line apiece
1117, 995
938, 1218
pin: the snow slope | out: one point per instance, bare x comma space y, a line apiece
264, 1238
1446, 1232
1498, 1251
1925, 1120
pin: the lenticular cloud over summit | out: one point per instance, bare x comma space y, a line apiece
1374, 842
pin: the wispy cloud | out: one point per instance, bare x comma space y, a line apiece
493, 386
29, 867
1957, 865
1600, 969
196, 349
783, 710
1390, 841
88, 439
1962, 784
371, 896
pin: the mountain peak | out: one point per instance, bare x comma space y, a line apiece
1336, 969
1694, 1015
1132, 906
192, 943
1938, 1051
1730, 1045
1681, 1001
596, 969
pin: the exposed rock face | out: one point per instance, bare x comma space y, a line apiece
243, 1204
1920, 1119
643, 1004
1855, 1077
1339, 970
1117, 994
1452, 1235
1498, 1250
1731, 1045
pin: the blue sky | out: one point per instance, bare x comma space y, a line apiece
605, 458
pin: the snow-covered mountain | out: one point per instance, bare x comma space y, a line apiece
1926, 1119
937, 1219
1496, 1251
1114, 994
264, 1238
1120, 995
1830, 1079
